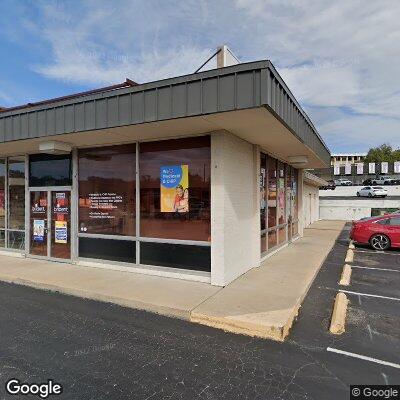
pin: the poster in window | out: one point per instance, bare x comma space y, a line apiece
384, 167
397, 167
61, 232
371, 168
360, 168
38, 230
174, 188
347, 169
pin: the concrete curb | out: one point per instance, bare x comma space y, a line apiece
161, 310
339, 314
346, 275
241, 327
349, 256
351, 245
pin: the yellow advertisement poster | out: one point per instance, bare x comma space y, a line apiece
61, 232
174, 182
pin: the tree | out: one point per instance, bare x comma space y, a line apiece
381, 153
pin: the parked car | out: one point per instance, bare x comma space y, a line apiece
384, 180
331, 186
343, 182
380, 233
368, 182
372, 191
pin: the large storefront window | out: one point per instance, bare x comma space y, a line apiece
107, 190
295, 202
50, 170
272, 203
175, 189
16, 203
2, 202
278, 202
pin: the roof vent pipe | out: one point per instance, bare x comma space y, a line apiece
225, 57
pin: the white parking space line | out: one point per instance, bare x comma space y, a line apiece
394, 253
361, 357
369, 295
379, 269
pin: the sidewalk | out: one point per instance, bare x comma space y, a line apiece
263, 302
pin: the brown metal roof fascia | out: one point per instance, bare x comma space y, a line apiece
127, 83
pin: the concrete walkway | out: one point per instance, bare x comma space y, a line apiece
263, 302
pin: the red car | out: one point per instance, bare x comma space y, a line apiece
380, 232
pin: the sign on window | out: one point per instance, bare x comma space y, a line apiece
360, 168
371, 168
384, 167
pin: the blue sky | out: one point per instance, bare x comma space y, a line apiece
340, 59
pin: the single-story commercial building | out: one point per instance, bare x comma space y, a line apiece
197, 177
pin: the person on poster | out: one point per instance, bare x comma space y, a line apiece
174, 189
181, 204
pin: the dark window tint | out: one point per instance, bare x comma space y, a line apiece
16, 193
2, 193
176, 256
175, 189
107, 179
108, 249
394, 221
50, 170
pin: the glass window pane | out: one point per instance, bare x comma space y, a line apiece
60, 224
272, 192
264, 247
263, 187
16, 185
178, 205
107, 179
16, 240
295, 174
2, 238
2, 193
50, 170
38, 223
282, 235
281, 193
272, 239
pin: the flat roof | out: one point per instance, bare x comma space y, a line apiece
242, 86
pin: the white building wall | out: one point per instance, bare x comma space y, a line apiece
235, 213
353, 209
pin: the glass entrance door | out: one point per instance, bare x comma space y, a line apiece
60, 244
50, 224
39, 223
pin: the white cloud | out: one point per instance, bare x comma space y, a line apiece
341, 59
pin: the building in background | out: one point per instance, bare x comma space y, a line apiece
347, 158
196, 177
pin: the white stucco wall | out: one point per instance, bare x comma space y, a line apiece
310, 204
353, 209
235, 214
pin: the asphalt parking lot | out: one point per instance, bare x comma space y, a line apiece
372, 335
102, 351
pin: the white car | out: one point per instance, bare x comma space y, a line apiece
384, 180
343, 182
372, 191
